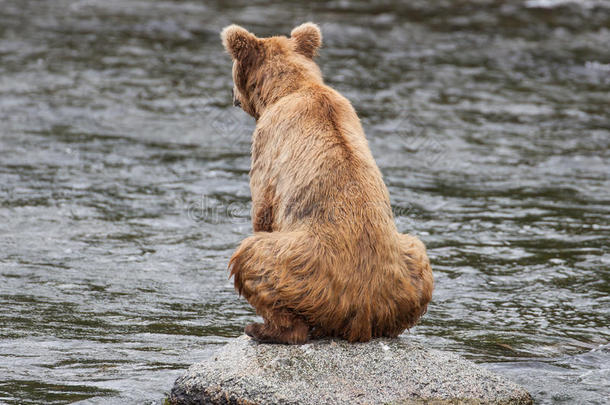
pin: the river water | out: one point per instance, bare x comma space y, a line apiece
124, 183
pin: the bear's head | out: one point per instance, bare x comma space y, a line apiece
267, 69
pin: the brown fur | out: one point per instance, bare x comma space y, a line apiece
326, 258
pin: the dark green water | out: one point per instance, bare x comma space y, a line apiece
124, 183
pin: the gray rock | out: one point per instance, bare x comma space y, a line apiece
383, 371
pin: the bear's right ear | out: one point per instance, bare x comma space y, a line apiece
308, 39
238, 41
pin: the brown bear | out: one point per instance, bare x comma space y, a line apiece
326, 258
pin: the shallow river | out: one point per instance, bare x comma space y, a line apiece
124, 183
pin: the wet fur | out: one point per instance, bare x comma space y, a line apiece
326, 258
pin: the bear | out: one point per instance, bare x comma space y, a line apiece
325, 258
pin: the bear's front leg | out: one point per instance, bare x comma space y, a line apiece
262, 217
279, 327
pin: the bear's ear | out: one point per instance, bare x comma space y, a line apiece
308, 39
238, 41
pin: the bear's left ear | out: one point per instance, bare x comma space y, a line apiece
238, 41
308, 39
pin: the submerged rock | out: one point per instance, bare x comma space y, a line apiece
382, 371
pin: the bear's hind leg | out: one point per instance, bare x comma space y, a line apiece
279, 327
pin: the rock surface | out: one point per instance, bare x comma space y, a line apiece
382, 371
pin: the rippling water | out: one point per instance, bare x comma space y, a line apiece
124, 182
